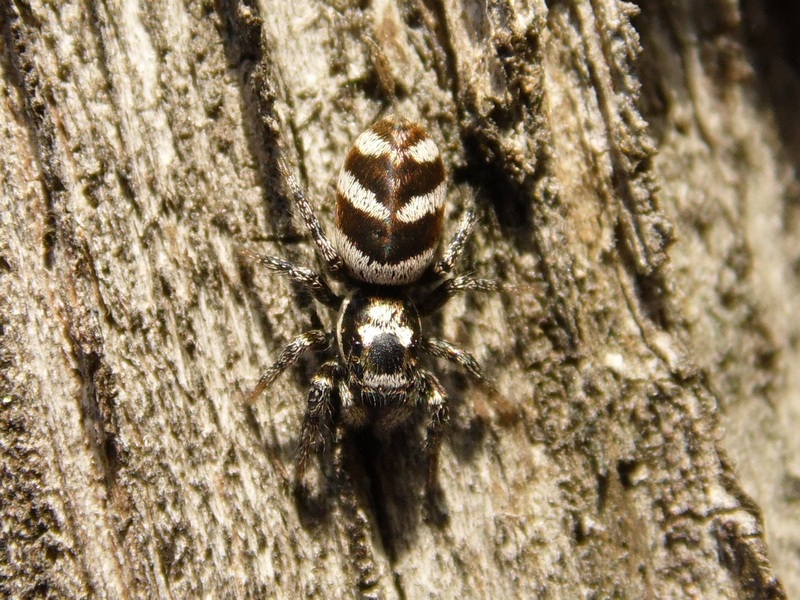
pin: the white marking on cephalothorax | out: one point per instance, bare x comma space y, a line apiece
360, 197
384, 318
384, 380
383, 313
378, 273
419, 206
424, 151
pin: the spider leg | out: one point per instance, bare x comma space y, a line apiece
434, 397
318, 340
353, 414
446, 350
456, 285
319, 417
308, 279
456, 245
326, 250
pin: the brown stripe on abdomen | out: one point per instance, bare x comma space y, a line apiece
394, 185
388, 242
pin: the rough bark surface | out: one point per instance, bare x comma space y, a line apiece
635, 168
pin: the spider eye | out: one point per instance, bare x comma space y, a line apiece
356, 346
387, 353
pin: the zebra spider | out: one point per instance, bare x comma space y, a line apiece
389, 214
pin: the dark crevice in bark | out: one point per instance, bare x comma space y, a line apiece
18, 23
771, 29
248, 54
435, 21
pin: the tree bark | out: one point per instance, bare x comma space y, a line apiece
635, 170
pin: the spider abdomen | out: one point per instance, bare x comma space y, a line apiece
389, 204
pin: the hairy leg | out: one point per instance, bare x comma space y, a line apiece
456, 245
327, 252
318, 340
446, 350
450, 287
310, 280
319, 417
434, 397
353, 413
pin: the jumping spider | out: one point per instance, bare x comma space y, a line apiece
389, 214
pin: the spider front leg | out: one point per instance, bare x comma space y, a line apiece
434, 397
318, 340
319, 417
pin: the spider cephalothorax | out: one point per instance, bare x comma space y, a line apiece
377, 338
389, 218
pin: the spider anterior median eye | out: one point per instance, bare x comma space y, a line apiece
387, 353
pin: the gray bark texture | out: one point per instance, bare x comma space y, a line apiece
635, 169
